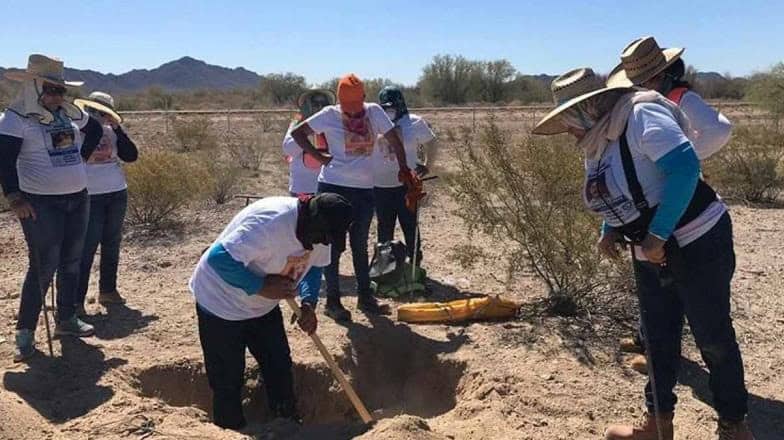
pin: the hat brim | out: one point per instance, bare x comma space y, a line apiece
308, 93
84, 103
22, 75
619, 78
551, 123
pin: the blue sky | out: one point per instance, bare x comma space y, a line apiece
395, 39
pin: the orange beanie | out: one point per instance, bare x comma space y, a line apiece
351, 94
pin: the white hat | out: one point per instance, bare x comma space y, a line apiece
100, 101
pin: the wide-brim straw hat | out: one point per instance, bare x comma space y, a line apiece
569, 89
42, 67
100, 101
642, 60
308, 93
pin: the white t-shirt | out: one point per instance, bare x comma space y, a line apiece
352, 153
710, 129
263, 238
414, 132
49, 162
303, 177
104, 170
652, 132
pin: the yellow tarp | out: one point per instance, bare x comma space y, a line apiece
487, 307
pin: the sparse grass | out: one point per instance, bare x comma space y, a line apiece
194, 134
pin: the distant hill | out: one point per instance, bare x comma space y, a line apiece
183, 74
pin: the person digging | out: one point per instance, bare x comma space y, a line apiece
272, 250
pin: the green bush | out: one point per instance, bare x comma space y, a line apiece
194, 134
160, 184
527, 196
749, 167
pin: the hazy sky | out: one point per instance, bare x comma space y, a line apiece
395, 39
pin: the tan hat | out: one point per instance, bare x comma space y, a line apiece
100, 101
44, 68
569, 89
642, 60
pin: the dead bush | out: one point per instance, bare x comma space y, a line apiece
750, 167
193, 134
224, 178
245, 152
160, 184
526, 194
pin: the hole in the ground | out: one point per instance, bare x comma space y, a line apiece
395, 371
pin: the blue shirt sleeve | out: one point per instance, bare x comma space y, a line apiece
233, 272
681, 170
310, 285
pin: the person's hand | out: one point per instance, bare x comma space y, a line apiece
278, 287
324, 158
307, 319
608, 244
22, 208
409, 178
422, 170
653, 248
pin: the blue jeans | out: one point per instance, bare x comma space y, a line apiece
362, 214
390, 208
107, 214
700, 290
54, 243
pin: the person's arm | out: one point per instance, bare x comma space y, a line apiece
681, 170
10, 146
126, 148
308, 288
301, 136
233, 272
290, 146
93, 131
711, 129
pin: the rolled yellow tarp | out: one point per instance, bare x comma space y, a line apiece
486, 307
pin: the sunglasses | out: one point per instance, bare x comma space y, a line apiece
52, 90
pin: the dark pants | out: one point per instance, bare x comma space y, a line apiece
701, 292
224, 343
107, 214
54, 244
362, 214
390, 208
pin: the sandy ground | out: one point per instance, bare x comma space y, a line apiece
142, 375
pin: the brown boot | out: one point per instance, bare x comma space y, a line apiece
639, 364
734, 430
646, 429
110, 298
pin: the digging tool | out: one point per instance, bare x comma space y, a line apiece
42, 290
336, 372
416, 235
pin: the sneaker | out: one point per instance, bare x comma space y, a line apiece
734, 430
646, 429
25, 344
369, 304
110, 298
74, 327
336, 311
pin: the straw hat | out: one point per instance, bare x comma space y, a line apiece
568, 90
100, 101
43, 68
308, 93
642, 60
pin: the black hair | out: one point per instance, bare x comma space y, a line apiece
677, 72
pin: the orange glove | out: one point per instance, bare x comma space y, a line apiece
415, 187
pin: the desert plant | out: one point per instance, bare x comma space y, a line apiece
527, 196
194, 134
225, 178
749, 167
245, 152
160, 184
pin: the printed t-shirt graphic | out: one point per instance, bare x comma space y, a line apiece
359, 137
60, 141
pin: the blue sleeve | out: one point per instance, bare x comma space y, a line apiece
232, 271
310, 285
606, 228
681, 169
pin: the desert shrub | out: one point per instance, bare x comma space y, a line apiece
749, 167
160, 184
245, 152
224, 178
194, 134
526, 195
